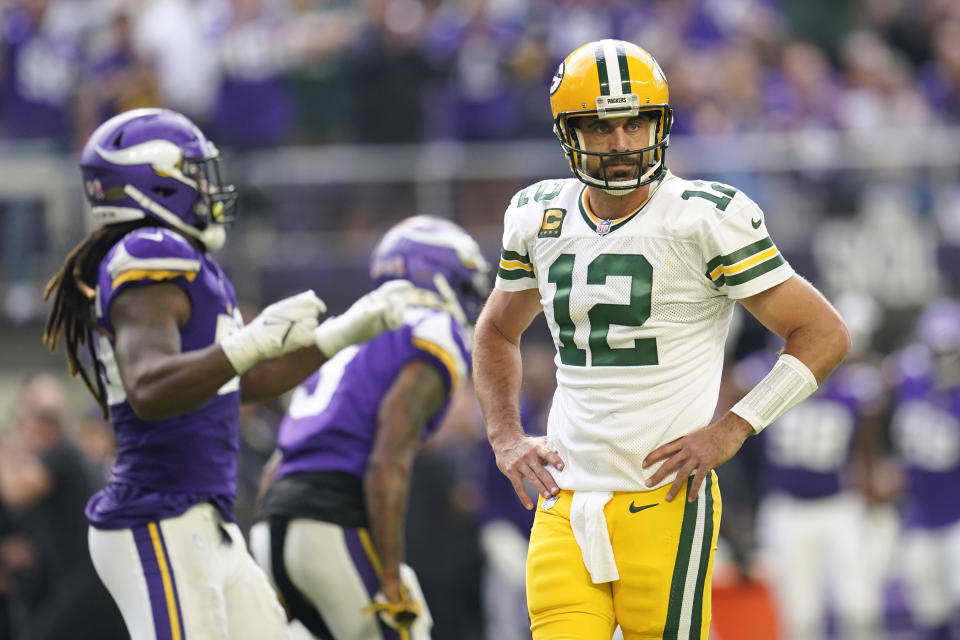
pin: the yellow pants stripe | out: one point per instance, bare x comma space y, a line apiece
167, 581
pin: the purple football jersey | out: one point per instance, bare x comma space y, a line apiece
165, 466
807, 450
332, 420
926, 432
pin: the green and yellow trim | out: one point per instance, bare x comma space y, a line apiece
744, 264
514, 266
593, 220
688, 609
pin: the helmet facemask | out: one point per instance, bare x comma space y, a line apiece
649, 160
612, 79
217, 201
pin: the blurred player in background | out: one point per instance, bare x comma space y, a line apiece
45, 480
637, 272
926, 433
171, 360
332, 538
813, 525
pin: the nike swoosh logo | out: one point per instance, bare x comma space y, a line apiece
635, 509
283, 340
756, 222
156, 236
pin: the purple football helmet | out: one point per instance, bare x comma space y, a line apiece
155, 163
420, 247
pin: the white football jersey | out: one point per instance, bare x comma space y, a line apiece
639, 308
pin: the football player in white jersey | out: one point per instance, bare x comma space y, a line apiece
637, 272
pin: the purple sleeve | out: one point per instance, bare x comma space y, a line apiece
145, 256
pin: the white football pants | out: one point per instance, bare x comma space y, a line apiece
817, 553
327, 575
931, 571
187, 578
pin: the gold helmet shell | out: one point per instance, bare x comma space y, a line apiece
611, 79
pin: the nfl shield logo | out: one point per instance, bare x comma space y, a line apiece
603, 228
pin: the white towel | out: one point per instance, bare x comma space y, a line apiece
590, 531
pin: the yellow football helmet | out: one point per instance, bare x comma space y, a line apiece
611, 79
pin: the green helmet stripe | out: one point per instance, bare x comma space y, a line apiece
624, 70
602, 70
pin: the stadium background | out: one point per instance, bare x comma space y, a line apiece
337, 119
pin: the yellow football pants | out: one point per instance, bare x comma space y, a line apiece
664, 554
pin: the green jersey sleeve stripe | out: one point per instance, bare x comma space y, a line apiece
753, 272
510, 256
747, 251
514, 274
713, 264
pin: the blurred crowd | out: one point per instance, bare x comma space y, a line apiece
266, 74
261, 76
256, 73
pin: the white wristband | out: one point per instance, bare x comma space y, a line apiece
787, 384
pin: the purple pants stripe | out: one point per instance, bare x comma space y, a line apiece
368, 573
161, 585
361, 560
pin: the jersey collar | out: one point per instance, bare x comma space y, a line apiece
597, 223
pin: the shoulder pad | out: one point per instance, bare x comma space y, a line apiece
437, 334
153, 248
152, 253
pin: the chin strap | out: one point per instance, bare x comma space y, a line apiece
212, 237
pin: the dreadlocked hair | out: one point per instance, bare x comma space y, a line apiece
73, 289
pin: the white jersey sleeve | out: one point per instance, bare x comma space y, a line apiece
741, 258
523, 221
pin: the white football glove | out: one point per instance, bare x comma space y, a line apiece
380, 310
448, 299
282, 327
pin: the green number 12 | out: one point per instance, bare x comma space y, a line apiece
602, 315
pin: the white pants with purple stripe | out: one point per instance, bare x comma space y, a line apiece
187, 578
820, 555
328, 576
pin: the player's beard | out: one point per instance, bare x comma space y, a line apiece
600, 170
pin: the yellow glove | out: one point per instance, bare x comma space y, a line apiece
396, 615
